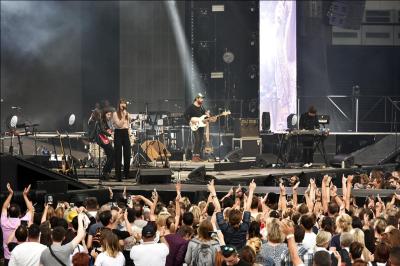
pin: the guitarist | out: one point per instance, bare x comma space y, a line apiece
103, 136
196, 110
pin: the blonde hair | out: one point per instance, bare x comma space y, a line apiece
202, 205
274, 234
185, 203
358, 236
59, 212
50, 212
162, 218
195, 210
323, 238
343, 223
255, 243
110, 243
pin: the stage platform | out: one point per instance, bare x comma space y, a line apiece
264, 176
23, 171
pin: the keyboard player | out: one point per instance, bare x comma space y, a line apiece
308, 121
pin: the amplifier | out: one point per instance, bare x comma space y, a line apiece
246, 127
251, 146
154, 176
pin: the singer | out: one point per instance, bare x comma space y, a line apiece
121, 139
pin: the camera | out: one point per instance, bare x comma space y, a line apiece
49, 199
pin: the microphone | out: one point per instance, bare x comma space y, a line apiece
16, 107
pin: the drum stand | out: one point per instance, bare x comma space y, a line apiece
136, 160
99, 165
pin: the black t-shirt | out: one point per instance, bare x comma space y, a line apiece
194, 111
121, 234
308, 122
240, 263
12, 245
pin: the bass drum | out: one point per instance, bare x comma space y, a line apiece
96, 152
132, 137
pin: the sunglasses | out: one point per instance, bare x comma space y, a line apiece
227, 251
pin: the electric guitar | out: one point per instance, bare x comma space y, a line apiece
197, 122
105, 139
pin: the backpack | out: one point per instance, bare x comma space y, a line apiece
204, 255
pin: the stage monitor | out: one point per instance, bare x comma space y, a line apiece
278, 71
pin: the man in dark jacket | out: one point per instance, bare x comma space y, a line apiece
308, 121
234, 231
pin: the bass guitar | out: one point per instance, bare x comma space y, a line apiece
198, 122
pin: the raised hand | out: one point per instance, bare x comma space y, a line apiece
252, 185
333, 189
328, 180
178, 187
397, 196
296, 186
154, 196
312, 183
239, 189
286, 227
337, 255
282, 189
178, 198
26, 190
9, 189
211, 187
111, 192
124, 193
264, 199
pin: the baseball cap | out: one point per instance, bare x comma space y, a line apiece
148, 230
199, 95
71, 215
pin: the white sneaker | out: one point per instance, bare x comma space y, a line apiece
306, 165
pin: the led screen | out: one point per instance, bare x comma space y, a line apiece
278, 61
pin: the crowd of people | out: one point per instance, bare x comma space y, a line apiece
325, 226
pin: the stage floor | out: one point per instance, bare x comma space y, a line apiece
234, 171
181, 171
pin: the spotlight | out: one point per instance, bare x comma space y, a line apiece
204, 12
71, 120
14, 121
291, 121
228, 57
203, 44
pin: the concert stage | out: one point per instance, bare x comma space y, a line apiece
22, 171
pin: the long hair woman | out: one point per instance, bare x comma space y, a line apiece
275, 247
201, 244
121, 139
111, 251
104, 132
